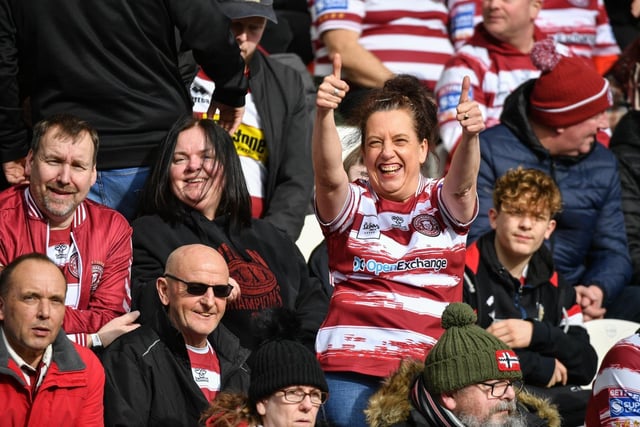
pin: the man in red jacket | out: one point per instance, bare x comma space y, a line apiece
90, 243
44, 377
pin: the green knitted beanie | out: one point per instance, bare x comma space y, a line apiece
466, 354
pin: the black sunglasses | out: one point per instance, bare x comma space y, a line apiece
199, 289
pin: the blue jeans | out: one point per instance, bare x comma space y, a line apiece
349, 395
120, 189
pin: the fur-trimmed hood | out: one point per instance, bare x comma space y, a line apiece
390, 404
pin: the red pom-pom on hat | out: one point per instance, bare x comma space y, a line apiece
544, 55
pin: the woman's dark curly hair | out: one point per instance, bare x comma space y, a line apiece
403, 92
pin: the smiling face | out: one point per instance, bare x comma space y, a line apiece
33, 308
194, 316
248, 32
196, 178
393, 154
60, 174
277, 412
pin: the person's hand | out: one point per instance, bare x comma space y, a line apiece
468, 112
235, 292
118, 326
590, 299
229, 117
559, 375
332, 89
14, 171
635, 8
516, 333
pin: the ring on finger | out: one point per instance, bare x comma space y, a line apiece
466, 116
336, 91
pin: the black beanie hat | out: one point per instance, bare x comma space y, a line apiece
278, 364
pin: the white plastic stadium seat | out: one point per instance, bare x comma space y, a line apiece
604, 333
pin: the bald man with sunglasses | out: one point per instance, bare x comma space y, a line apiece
167, 371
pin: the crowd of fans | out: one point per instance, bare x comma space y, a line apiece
159, 159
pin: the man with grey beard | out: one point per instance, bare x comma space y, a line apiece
469, 379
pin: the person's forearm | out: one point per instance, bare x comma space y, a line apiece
463, 175
326, 150
359, 66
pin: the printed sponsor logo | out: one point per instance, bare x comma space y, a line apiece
398, 222
250, 142
624, 403
575, 38
200, 96
377, 267
322, 5
198, 89
450, 98
369, 229
463, 19
200, 375
427, 225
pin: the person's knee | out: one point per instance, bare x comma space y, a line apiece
347, 400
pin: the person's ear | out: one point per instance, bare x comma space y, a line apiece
2, 308
448, 401
536, 7
28, 163
261, 408
550, 227
162, 286
424, 150
493, 216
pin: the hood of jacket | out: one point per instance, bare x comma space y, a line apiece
391, 405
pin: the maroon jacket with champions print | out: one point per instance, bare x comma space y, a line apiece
267, 265
102, 238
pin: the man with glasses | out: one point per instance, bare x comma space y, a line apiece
167, 371
470, 378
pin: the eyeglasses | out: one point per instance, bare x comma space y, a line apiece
199, 289
296, 396
499, 389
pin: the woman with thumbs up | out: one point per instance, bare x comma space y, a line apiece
396, 241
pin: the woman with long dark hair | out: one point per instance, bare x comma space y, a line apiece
196, 193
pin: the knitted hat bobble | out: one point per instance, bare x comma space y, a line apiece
569, 89
466, 354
